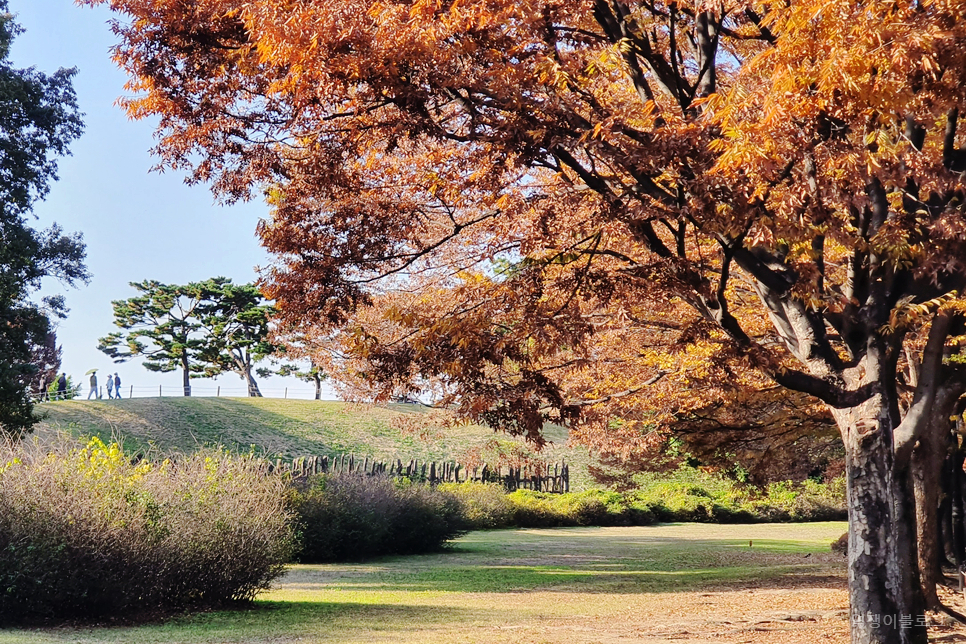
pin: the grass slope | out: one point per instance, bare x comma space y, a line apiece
690, 582
285, 428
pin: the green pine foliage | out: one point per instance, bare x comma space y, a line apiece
161, 327
202, 328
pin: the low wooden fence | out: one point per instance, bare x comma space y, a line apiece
551, 479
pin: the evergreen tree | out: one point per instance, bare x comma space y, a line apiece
203, 328
234, 319
38, 119
45, 358
162, 326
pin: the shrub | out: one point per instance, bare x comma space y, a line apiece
689, 494
537, 510
350, 517
86, 533
483, 506
589, 508
686, 495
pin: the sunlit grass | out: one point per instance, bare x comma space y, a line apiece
492, 583
278, 427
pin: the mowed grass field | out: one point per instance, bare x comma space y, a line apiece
290, 428
691, 582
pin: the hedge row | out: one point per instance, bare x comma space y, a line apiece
486, 506
349, 517
86, 533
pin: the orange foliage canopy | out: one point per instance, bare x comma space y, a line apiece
555, 177
538, 191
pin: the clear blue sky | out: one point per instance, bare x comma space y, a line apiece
137, 224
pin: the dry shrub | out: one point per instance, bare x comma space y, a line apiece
86, 533
350, 517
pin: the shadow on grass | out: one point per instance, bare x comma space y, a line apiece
283, 614
586, 561
502, 579
261, 621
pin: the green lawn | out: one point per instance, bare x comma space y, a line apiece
597, 584
286, 428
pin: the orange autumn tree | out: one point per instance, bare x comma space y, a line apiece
652, 379
789, 171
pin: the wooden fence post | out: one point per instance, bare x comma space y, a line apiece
540, 479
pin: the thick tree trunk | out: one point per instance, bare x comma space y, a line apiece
913, 601
946, 515
927, 470
318, 387
882, 560
956, 484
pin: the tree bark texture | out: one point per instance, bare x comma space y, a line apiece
880, 548
253, 390
927, 471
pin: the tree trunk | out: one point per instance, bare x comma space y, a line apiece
927, 470
959, 534
946, 514
913, 600
253, 390
881, 548
318, 386
947, 551
186, 377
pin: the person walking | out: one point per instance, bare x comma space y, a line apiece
110, 387
93, 391
117, 385
62, 387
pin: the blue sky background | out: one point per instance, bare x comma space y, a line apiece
137, 224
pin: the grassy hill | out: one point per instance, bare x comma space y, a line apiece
289, 428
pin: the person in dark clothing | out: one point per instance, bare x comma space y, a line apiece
117, 385
62, 387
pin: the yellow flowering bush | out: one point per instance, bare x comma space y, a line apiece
85, 532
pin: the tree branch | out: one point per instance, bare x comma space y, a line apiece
930, 381
822, 389
621, 394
